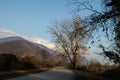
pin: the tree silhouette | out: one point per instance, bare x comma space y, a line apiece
69, 35
108, 18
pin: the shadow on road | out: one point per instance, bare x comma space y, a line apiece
53, 74
7, 75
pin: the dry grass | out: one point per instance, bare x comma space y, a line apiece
96, 67
96, 71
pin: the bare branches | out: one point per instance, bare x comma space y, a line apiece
107, 18
83, 5
69, 35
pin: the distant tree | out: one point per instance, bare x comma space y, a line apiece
69, 35
28, 62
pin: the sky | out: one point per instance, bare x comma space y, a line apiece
32, 17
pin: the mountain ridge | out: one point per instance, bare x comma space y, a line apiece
20, 46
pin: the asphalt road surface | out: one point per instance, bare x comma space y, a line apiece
58, 73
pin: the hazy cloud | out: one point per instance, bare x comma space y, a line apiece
7, 33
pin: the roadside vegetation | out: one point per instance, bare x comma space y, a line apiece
102, 23
97, 72
71, 36
13, 62
12, 65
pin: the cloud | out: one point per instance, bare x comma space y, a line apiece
98, 57
7, 33
42, 41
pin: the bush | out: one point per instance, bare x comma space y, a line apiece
113, 74
9, 62
95, 66
13, 62
36, 62
25, 62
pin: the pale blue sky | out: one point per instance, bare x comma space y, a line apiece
32, 17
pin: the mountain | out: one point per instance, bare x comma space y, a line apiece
11, 42
7, 33
20, 46
7, 39
46, 43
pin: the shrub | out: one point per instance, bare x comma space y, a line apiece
36, 62
95, 66
13, 62
9, 62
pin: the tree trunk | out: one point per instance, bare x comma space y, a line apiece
74, 64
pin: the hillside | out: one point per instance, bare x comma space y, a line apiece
20, 46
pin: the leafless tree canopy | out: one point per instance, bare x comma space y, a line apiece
69, 35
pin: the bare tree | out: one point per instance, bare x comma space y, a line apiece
69, 35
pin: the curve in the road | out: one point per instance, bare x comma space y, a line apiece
53, 74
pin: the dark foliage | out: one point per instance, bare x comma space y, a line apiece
107, 19
113, 74
12, 62
8, 61
112, 56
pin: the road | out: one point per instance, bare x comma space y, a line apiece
57, 73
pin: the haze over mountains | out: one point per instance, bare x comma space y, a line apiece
11, 42
6, 33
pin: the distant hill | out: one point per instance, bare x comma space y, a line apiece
20, 46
